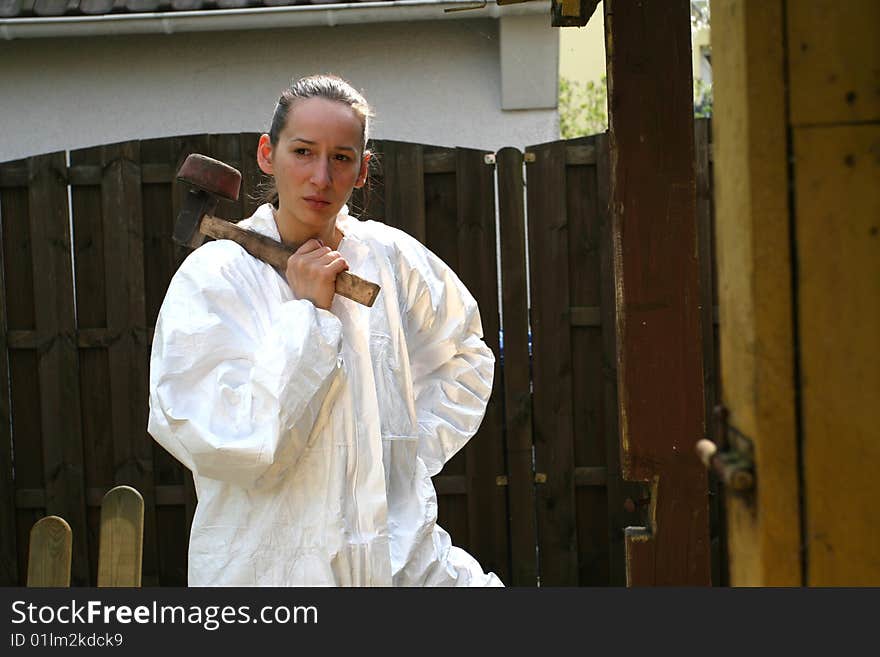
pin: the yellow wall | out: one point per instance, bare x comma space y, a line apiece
582, 49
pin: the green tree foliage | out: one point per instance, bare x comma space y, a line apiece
702, 99
583, 107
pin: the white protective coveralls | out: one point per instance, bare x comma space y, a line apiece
312, 435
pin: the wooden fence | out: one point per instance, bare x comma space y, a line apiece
77, 318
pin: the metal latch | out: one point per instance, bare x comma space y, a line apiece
732, 457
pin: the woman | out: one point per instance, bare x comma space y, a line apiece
312, 424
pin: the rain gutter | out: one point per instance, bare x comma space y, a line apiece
256, 18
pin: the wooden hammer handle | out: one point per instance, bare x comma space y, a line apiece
276, 254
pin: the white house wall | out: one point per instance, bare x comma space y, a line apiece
436, 82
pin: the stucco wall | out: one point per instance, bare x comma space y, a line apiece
436, 82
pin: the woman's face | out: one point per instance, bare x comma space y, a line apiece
317, 161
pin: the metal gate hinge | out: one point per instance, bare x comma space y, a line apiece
529, 157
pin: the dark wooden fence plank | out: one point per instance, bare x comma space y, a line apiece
158, 225
404, 195
516, 369
251, 176
586, 353
551, 364
24, 399
13, 208
94, 378
58, 363
440, 212
487, 501
128, 368
161, 259
657, 278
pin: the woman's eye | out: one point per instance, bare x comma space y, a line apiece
301, 151
342, 158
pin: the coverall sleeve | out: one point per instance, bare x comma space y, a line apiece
452, 368
237, 379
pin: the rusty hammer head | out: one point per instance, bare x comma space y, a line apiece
209, 181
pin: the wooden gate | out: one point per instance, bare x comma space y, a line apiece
536, 494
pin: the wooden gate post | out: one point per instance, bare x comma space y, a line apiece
657, 298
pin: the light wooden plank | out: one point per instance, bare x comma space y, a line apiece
834, 59
754, 283
838, 256
121, 542
49, 553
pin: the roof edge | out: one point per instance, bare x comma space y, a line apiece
218, 20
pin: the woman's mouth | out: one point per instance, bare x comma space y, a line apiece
316, 202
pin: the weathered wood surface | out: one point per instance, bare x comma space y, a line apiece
834, 113
160, 263
49, 553
23, 407
440, 190
57, 364
753, 244
621, 495
838, 234
516, 368
120, 559
659, 353
9, 570
404, 187
551, 364
476, 244
833, 59
584, 255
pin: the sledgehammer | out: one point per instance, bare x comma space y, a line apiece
210, 180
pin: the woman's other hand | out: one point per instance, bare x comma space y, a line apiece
312, 271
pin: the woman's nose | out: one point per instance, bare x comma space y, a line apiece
321, 173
